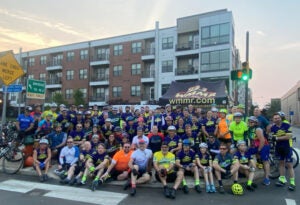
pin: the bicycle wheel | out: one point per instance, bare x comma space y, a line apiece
274, 167
295, 157
13, 161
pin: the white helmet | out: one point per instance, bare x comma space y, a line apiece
44, 141
203, 145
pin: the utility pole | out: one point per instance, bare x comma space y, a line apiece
246, 82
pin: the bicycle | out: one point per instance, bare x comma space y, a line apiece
274, 160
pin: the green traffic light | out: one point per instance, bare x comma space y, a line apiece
245, 77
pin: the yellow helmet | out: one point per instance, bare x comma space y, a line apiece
223, 111
237, 189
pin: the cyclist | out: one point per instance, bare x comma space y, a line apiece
204, 162
25, 123
283, 133
164, 162
42, 158
238, 128
247, 165
208, 125
186, 163
222, 128
260, 146
173, 140
58, 140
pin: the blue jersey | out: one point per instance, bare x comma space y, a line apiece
25, 121
186, 158
172, 142
77, 136
210, 125
281, 131
204, 158
224, 161
243, 158
98, 158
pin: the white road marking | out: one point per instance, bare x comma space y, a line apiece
65, 192
290, 201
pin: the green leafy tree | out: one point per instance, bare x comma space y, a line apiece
59, 99
273, 107
78, 97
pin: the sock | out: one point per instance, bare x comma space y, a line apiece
235, 181
83, 178
292, 181
220, 182
197, 182
184, 182
133, 186
96, 178
282, 179
249, 182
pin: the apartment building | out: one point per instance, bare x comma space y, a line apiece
138, 67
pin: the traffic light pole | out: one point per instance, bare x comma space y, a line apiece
246, 82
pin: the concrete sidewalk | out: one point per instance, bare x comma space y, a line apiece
152, 184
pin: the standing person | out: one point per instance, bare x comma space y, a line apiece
42, 158
155, 139
164, 164
25, 124
283, 133
208, 125
173, 140
263, 123
222, 129
238, 128
139, 164
259, 145
140, 135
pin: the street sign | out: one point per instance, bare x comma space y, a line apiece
10, 69
291, 113
13, 88
35, 89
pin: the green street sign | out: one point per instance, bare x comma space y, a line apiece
36, 89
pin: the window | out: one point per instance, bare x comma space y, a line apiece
70, 56
70, 75
100, 93
84, 54
215, 34
117, 91
167, 43
102, 54
164, 88
136, 69
167, 66
43, 60
136, 47
215, 60
118, 50
82, 74
30, 76
31, 61
84, 92
69, 93
42, 76
118, 70
136, 90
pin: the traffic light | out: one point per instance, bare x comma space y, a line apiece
244, 74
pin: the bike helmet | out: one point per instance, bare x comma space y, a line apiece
237, 189
237, 114
223, 111
282, 114
44, 141
253, 118
240, 142
203, 145
186, 142
28, 108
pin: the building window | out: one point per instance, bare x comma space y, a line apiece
167, 43
117, 91
82, 74
118, 50
30, 76
100, 93
84, 54
118, 70
136, 90
69, 93
215, 60
84, 92
136, 69
136, 47
102, 54
70, 75
215, 34
43, 60
70, 56
167, 66
164, 88
31, 61
42, 76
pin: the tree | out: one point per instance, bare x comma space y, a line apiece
59, 99
78, 97
273, 107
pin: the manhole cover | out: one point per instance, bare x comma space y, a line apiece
37, 192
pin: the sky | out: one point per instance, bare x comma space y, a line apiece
273, 26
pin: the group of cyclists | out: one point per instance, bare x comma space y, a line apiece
168, 142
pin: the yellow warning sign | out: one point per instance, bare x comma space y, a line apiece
10, 69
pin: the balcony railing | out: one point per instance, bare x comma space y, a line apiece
100, 78
53, 81
148, 51
98, 98
148, 74
186, 46
186, 71
54, 63
100, 57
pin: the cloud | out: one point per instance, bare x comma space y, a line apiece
289, 46
260, 33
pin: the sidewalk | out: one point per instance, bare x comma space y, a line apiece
153, 184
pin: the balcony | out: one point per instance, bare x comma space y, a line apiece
148, 76
187, 49
186, 73
100, 100
54, 65
148, 54
100, 60
99, 80
53, 83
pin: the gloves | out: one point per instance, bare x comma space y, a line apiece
92, 169
163, 172
135, 172
42, 165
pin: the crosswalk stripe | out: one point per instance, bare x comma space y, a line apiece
64, 192
290, 201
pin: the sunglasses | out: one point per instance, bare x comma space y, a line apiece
69, 142
223, 148
78, 126
126, 146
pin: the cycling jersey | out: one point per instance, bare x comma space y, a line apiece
225, 161
204, 158
238, 130
172, 142
25, 121
186, 158
164, 160
42, 155
121, 160
243, 158
141, 158
99, 158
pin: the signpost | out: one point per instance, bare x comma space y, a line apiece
35, 89
13, 88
